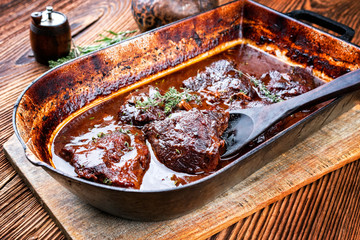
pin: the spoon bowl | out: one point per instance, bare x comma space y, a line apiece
239, 130
246, 124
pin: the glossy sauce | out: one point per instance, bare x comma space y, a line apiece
104, 118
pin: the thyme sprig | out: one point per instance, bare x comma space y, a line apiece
127, 131
104, 42
169, 100
107, 181
257, 83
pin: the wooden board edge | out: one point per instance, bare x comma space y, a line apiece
8, 144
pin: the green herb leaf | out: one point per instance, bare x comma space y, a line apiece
168, 101
107, 181
264, 90
105, 42
100, 135
257, 83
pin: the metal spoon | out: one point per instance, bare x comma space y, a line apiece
246, 124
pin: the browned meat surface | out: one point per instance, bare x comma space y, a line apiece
286, 85
151, 104
189, 141
118, 158
132, 114
220, 82
217, 71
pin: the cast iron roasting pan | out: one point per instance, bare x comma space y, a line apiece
64, 90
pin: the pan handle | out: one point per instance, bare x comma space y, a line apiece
346, 33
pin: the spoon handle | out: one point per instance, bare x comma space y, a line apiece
260, 120
339, 86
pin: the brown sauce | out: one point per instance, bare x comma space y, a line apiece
245, 59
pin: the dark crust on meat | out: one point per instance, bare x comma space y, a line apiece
286, 85
188, 141
220, 82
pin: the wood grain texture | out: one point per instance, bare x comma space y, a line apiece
313, 212
330, 148
336, 213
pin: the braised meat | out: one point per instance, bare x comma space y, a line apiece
286, 85
132, 114
150, 104
221, 82
118, 158
217, 71
189, 141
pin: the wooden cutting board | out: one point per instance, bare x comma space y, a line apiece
330, 148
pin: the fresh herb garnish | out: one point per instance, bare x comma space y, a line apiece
128, 146
124, 131
264, 90
257, 83
107, 181
168, 101
100, 135
104, 42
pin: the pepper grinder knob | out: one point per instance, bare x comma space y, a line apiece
49, 10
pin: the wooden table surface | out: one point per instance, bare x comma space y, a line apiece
326, 209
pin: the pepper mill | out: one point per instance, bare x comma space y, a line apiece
50, 35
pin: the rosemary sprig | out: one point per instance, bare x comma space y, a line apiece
104, 42
257, 83
169, 100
